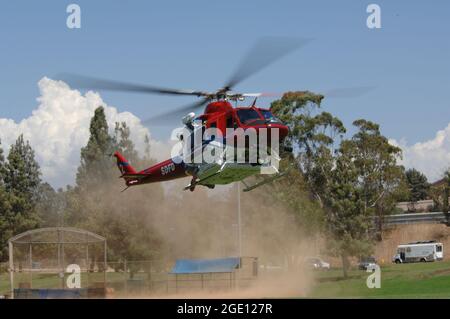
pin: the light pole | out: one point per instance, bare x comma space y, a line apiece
239, 221
239, 231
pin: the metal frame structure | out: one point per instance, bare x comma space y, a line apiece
59, 236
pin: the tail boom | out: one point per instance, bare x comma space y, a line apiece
123, 165
164, 171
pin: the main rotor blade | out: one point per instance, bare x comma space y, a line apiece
178, 113
86, 82
265, 52
262, 94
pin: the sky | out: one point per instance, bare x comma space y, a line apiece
198, 44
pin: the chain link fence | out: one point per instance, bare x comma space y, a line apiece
120, 279
123, 279
137, 278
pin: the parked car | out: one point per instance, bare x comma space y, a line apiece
367, 263
317, 263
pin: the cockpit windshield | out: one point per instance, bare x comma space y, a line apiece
248, 115
269, 116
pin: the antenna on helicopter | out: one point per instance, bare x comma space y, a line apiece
254, 101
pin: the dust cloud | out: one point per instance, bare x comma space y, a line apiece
204, 224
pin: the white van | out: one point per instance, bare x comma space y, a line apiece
421, 251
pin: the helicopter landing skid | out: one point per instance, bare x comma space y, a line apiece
194, 182
264, 181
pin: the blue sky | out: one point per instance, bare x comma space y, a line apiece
197, 44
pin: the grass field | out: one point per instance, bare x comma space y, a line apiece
50, 280
416, 280
4, 283
41, 280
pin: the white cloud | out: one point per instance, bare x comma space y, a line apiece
431, 157
59, 127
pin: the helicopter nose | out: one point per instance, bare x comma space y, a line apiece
283, 130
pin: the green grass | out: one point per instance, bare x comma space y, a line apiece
416, 280
116, 280
41, 280
4, 283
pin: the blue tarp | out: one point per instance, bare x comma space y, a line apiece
192, 266
25, 293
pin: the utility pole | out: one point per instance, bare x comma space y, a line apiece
239, 233
239, 220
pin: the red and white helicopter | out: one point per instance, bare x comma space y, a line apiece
219, 114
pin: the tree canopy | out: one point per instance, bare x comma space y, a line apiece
418, 185
19, 191
356, 181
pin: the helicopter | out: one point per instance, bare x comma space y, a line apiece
228, 123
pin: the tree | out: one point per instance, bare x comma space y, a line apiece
6, 217
124, 144
18, 192
96, 164
313, 136
292, 192
97, 204
440, 192
365, 185
22, 180
348, 220
50, 206
147, 159
381, 179
5, 211
2, 165
446, 192
418, 185
22, 172
353, 180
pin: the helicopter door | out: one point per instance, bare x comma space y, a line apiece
402, 254
229, 125
213, 125
230, 122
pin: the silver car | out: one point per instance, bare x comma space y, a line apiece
317, 263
